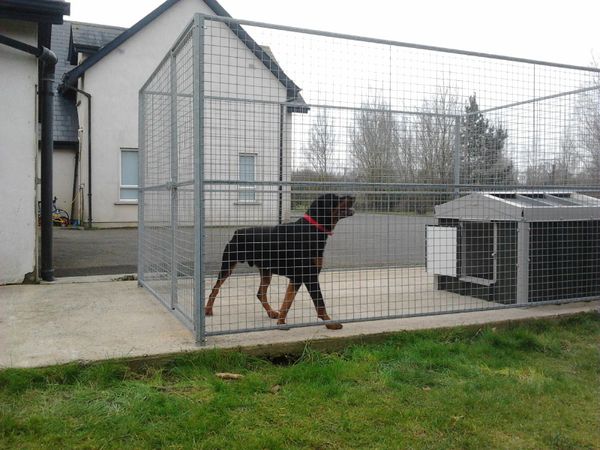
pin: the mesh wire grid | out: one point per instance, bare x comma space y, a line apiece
474, 178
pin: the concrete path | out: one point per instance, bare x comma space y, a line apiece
349, 295
91, 319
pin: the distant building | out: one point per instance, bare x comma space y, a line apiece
108, 65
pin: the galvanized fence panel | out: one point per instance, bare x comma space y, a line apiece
474, 177
167, 179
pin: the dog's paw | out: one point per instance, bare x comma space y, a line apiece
208, 311
273, 314
281, 325
334, 326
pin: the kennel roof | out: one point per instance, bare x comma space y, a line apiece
529, 206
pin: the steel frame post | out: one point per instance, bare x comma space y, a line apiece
141, 185
172, 185
522, 263
199, 217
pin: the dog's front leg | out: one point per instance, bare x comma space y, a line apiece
314, 288
290, 295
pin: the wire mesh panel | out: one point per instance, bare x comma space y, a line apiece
167, 224
341, 178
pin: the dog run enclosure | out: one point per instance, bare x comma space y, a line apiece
244, 124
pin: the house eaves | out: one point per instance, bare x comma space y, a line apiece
39, 11
89, 38
292, 90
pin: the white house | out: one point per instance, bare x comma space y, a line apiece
27, 23
103, 80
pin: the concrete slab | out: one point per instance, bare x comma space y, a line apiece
349, 295
49, 324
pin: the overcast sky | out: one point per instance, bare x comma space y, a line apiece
552, 30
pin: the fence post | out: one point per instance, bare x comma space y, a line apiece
457, 145
173, 178
522, 263
199, 219
141, 185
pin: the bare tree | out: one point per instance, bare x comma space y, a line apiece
435, 131
563, 169
566, 166
375, 142
321, 145
588, 112
407, 161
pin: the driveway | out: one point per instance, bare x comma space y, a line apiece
365, 240
94, 252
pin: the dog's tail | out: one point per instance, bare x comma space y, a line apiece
230, 258
228, 263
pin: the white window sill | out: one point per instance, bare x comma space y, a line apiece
127, 202
247, 203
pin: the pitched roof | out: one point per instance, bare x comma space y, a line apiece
90, 37
293, 91
65, 111
40, 11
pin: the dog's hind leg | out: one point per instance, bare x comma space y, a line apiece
226, 269
290, 295
265, 281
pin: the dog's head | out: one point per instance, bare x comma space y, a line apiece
329, 209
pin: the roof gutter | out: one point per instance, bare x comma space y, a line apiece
48, 60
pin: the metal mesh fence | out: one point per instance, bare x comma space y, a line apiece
167, 178
292, 176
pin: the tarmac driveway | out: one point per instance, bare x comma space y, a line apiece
365, 240
94, 252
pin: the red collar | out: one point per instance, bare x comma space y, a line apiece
316, 224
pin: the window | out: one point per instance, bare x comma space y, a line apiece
129, 175
247, 173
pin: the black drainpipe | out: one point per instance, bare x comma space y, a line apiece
48, 60
62, 88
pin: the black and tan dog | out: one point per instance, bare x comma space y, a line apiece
293, 250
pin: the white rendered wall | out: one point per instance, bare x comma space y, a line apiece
18, 79
114, 83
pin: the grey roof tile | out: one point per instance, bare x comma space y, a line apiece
65, 111
90, 37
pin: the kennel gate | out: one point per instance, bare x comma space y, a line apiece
244, 123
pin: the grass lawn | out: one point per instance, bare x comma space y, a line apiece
528, 385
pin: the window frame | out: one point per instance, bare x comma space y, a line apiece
244, 188
121, 200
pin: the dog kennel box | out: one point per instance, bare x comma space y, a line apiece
517, 247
